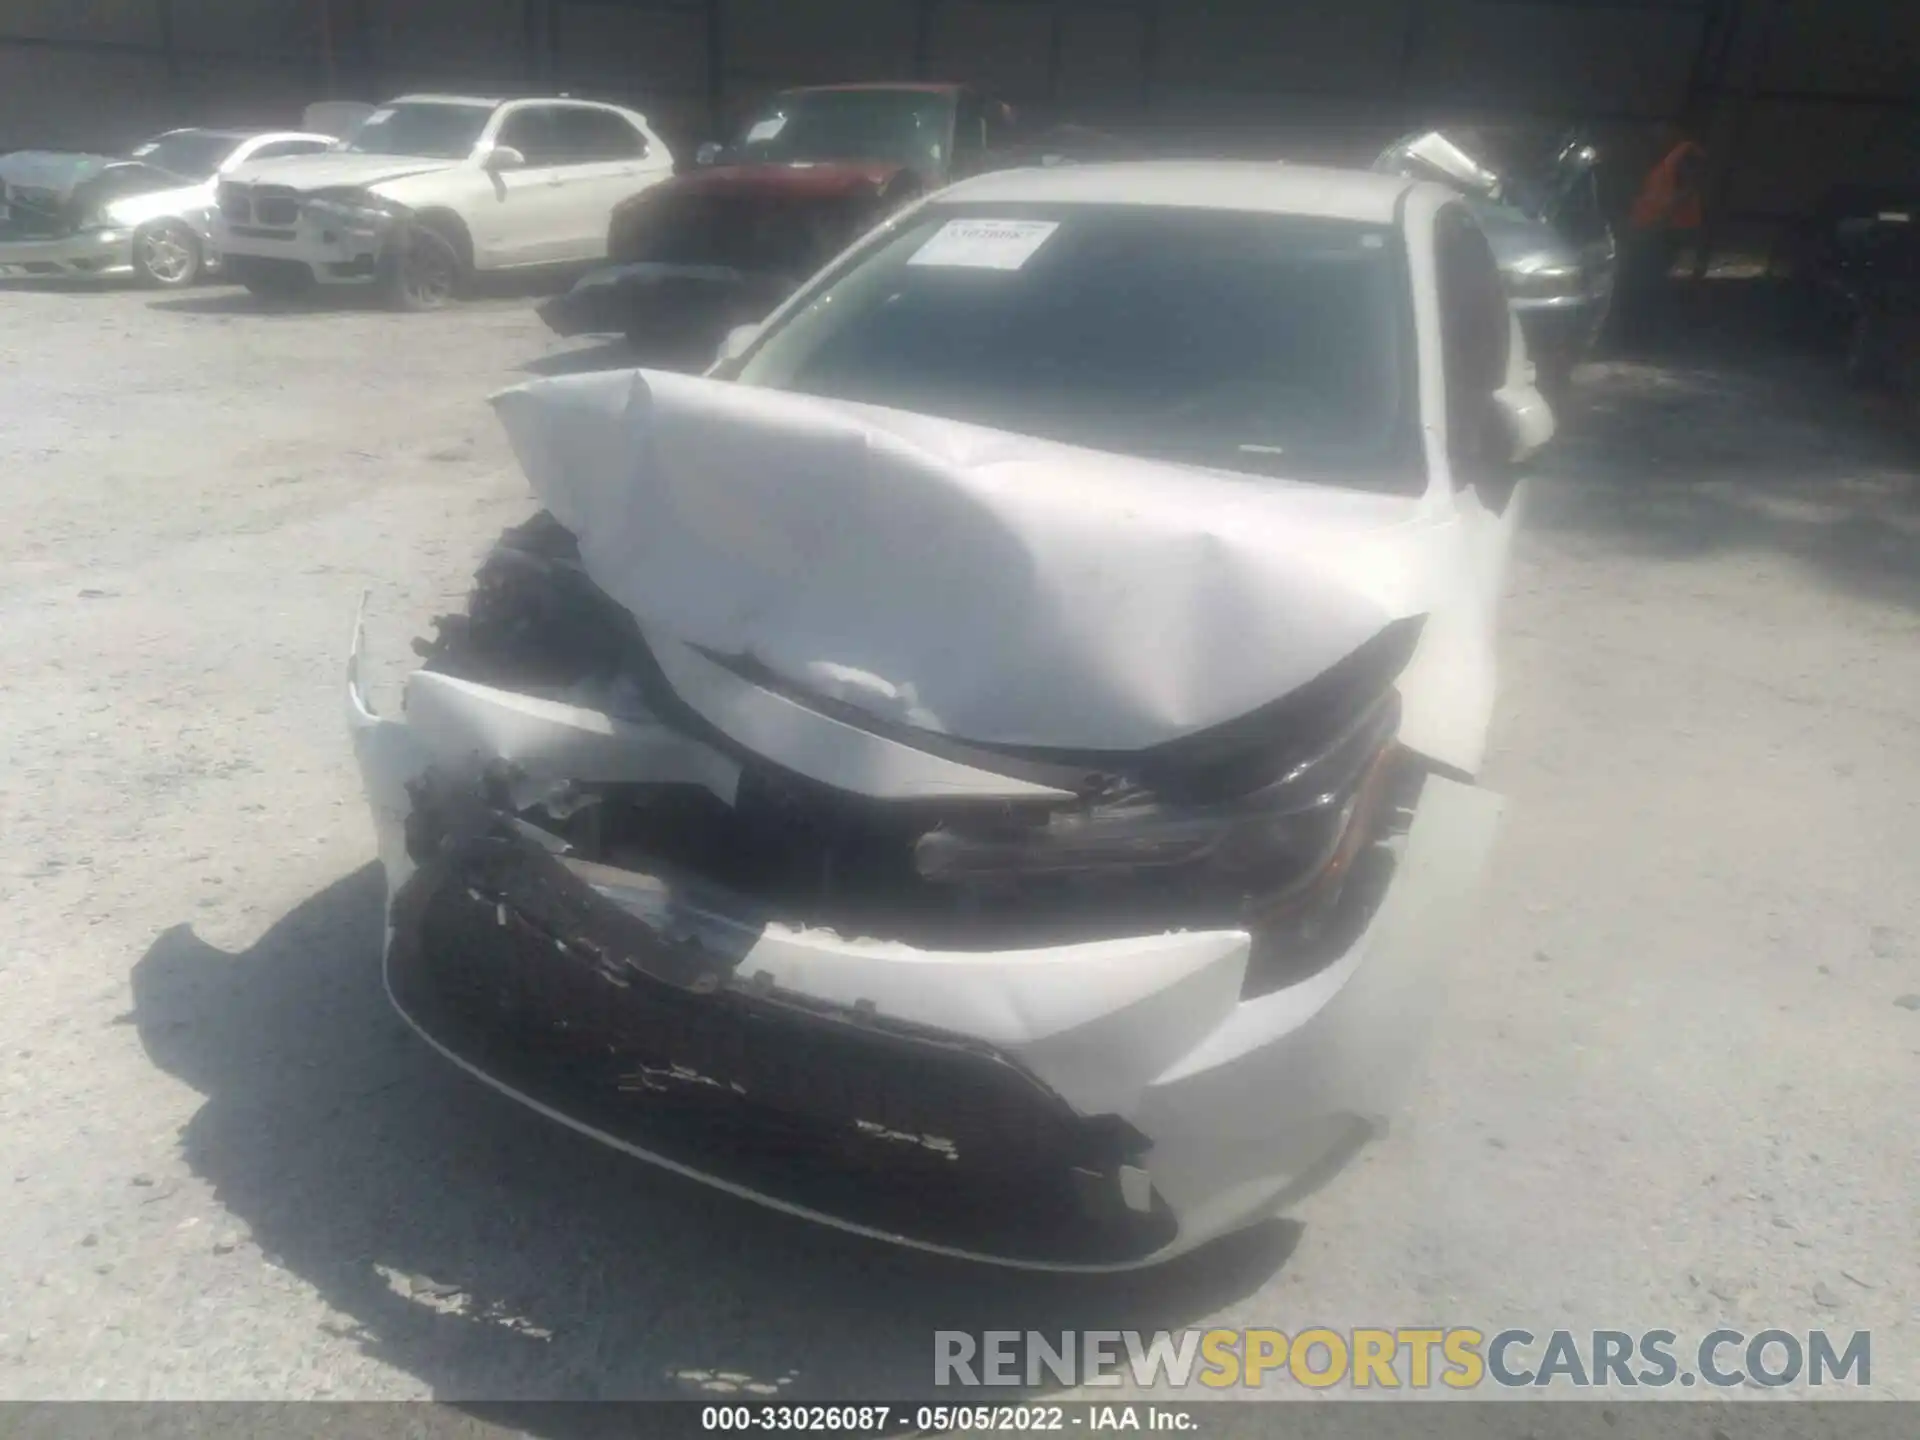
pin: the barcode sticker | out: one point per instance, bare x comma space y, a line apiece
984, 244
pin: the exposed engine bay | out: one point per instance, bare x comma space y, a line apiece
1263, 828
48, 194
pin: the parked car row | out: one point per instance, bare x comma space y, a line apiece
427, 192
148, 213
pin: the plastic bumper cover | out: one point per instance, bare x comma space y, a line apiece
334, 253
1149, 1107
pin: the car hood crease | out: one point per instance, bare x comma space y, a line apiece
966, 581
335, 170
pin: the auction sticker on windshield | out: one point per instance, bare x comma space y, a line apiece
985, 244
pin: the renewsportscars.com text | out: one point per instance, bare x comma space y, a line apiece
1459, 1358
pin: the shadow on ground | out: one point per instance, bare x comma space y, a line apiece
1720, 435
360, 298
496, 1256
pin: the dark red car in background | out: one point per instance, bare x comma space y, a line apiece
723, 243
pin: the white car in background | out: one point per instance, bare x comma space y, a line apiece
431, 189
148, 214
992, 766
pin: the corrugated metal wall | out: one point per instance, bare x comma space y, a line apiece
1794, 94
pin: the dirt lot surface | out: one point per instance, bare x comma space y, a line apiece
1674, 1086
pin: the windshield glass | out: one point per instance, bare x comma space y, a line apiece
191, 154
1260, 343
907, 126
428, 128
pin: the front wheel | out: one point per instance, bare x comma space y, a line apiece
167, 255
421, 270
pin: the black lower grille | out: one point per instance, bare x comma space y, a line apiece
934, 1139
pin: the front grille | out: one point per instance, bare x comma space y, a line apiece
933, 1138
236, 202
275, 205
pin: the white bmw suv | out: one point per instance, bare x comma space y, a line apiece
431, 189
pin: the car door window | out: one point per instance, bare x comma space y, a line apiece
588, 135
1475, 331
533, 132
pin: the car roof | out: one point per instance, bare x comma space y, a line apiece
212, 132
490, 101
1261, 186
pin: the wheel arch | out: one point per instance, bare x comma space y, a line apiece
445, 221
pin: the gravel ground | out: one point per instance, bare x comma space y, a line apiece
1674, 1085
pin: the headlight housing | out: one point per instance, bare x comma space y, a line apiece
1262, 842
1547, 282
356, 212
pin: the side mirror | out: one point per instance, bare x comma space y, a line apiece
709, 153
736, 343
504, 157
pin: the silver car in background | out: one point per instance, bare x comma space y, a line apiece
1549, 235
147, 214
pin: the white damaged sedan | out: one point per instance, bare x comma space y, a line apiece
990, 766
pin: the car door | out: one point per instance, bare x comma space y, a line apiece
525, 214
608, 160
1448, 689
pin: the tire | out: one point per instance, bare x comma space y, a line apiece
270, 279
422, 269
167, 255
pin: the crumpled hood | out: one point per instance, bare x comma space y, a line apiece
332, 169
962, 580
59, 172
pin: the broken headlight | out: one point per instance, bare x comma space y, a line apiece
1288, 830
1546, 282
357, 214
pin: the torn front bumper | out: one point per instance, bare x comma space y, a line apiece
335, 252
1096, 1105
